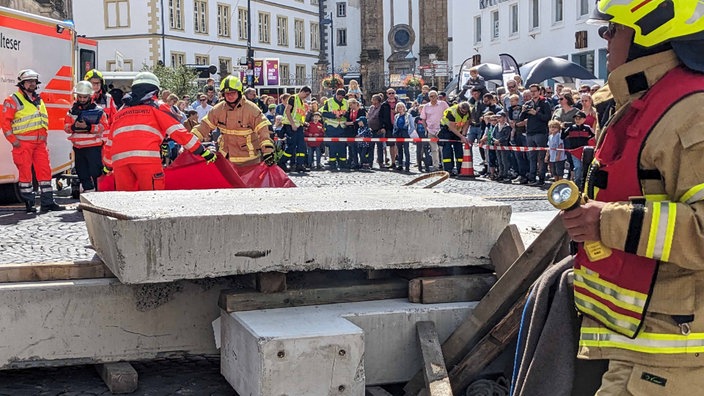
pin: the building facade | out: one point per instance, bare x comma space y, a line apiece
135, 33
57, 9
526, 29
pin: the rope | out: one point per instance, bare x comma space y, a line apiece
485, 387
442, 175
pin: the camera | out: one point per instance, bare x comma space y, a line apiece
528, 105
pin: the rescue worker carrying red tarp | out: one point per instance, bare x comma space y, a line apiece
86, 123
133, 148
643, 304
25, 123
244, 129
101, 96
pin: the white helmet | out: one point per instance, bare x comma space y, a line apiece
146, 78
83, 88
27, 74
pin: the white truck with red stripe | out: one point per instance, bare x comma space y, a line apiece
52, 48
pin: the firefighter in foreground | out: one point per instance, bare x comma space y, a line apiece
86, 123
25, 124
244, 130
133, 148
643, 303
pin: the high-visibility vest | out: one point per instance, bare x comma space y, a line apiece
615, 290
28, 117
460, 120
334, 107
298, 112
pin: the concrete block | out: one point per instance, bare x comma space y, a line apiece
298, 351
102, 320
119, 377
175, 236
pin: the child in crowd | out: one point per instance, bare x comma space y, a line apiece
315, 129
279, 139
489, 140
557, 155
576, 137
364, 149
354, 89
503, 138
402, 130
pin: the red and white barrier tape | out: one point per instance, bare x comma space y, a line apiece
420, 140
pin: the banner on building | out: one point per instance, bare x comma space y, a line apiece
272, 71
258, 72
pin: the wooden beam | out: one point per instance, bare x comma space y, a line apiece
444, 289
506, 249
271, 282
489, 348
33, 272
341, 292
502, 296
436, 381
119, 377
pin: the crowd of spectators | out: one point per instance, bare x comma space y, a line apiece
553, 124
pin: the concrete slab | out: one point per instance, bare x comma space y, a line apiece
531, 224
298, 351
212, 233
102, 320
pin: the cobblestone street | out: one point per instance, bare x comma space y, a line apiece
62, 237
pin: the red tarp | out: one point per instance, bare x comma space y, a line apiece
190, 172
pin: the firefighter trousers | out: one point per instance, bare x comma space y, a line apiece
139, 177
89, 165
630, 379
34, 154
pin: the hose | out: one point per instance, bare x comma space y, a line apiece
442, 175
105, 212
485, 387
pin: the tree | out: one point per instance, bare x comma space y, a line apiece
179, 80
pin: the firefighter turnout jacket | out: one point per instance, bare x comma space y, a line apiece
137, 133
91, 137
647, 305
244, 131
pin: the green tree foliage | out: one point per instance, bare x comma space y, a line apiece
179, 80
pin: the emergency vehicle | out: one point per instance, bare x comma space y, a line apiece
54, 49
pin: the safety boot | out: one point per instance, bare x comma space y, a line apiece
54, 207
29, 207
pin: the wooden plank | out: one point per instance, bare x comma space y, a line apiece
342, 292
489, 348
32, 272
506, 249
456, 288
437, 382
119, 377
271, 282
502, 296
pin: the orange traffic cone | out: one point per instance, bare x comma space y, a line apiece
467, 169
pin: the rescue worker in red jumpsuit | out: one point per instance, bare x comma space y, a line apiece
25, 123
642, 299
86, 123
133, 148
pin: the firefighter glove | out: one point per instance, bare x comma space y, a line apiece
209, 156
269, 159
16, 144
106, 170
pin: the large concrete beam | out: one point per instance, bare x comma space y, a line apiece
102, 320
329, 349
209, 233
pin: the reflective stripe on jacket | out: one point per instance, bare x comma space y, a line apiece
332, 109
91, 138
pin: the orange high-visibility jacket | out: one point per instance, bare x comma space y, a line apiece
137, 133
